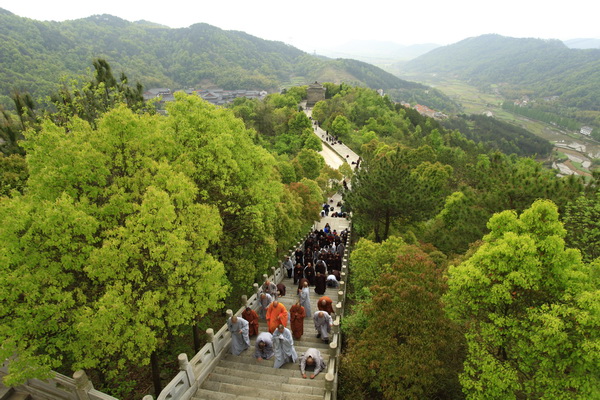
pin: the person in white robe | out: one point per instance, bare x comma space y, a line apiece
323, 324
240, 340
263, 346
312, 358
288, 265
283, 345
264, 300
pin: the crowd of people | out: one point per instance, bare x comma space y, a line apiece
314, 266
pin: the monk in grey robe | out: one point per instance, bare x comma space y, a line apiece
269, 288
305, 299
283, 344
312, 358
264, 346
323, 324
264, 301
240, 340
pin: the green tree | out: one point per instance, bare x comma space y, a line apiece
299, 123
236, 176
308, 164
93, 98
530, 312
405, 348
109, 235
581, 219
311, 141
370, 259
341, 127
394, 184
13, 174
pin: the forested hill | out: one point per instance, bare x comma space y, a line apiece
34, 55
533, 67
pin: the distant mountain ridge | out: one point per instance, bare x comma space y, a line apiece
367, 50
560, 79
34, 55
583, 43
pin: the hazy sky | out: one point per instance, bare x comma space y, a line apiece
313, 25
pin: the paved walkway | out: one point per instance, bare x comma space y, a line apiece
343, 152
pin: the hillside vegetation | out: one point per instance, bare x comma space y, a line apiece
553, 77
35, 55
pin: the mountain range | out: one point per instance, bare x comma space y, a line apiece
35, 55
552, 76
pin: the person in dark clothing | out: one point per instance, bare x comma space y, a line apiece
320, 284
309, 273
298, 273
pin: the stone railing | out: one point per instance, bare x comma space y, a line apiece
192, 373
61, 387
335, 345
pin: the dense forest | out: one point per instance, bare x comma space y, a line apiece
499, 135
35, 56
151, 225
475, 275
555, 78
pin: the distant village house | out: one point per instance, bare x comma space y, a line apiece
215, 96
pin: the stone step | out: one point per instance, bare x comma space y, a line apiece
262, 393
247, 356
264, 368
204, 394
215, 380
255, 376
5, 392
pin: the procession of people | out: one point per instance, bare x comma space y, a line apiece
315, 268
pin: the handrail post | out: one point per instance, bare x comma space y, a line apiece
184, 365
210, 332
82, 385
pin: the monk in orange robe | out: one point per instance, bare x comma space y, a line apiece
297, 315
252, 317
325, 304
276, 314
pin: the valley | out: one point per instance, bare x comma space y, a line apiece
571, 149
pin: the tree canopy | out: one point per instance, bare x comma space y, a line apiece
530, 311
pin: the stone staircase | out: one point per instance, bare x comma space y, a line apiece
215, 374
243, 377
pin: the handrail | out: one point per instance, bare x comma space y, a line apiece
61, 387
335, 346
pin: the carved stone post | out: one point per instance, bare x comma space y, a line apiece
82, 385
229, 313
244, 301
333, 345
148, 397
339, 308
184, 365
256, 288
211, 339
336, 324
329, 378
